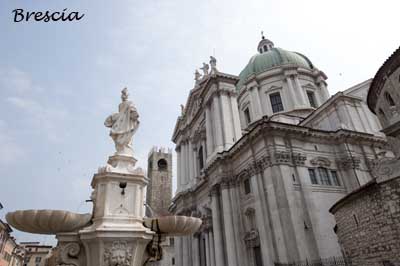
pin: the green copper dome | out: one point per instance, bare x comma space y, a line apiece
270, 57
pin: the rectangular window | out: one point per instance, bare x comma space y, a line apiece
247, 187
247, 116
38, 259
335, 179
313, 177
324, 176
311, 99
276, 102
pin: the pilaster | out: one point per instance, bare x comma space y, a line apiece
218, 234
209, 130
228, 226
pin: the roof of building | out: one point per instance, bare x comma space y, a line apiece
388, 67
271, 58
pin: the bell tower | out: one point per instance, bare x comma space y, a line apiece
159, 189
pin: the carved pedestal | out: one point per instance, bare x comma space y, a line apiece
117, 236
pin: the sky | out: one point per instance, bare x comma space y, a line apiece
60, 80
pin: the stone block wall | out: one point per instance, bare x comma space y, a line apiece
368, 224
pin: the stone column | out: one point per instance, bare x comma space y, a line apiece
301, 92
228, 226
255, 99
178, 251
185, 251
237, 223
195, 250
208, 262
227, 121
195, 164
216, 220
236, 119
209, 129
187, 164
190, 162
262, 221
212, 251
293, 99
205, 151
183, 165
178, 169
324, 90
219, 146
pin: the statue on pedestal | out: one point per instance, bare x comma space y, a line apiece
123, 125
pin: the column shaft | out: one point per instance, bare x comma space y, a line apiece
263, 221
178, 170
209, 135
217, 124
255, 99
178, 251
191, 163
292, 94
195, 251
227, 121
212, 251
301, 92
228, 226
185, 251
236, 119
207, 249
216, 220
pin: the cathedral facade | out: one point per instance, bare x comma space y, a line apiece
261, 157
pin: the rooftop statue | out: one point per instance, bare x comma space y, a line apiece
123, 125
197, 76
213, 64
205, 69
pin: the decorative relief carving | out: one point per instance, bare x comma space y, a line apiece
118, 254
386, 168
299, 159
348, 163
320, 161
282, 157
68, 255
252, 239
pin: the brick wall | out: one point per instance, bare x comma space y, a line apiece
368, 224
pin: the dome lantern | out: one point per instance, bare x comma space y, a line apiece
264, 45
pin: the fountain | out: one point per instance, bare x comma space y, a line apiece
116, 233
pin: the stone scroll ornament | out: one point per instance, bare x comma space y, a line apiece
118, 254
123, 125
68, 255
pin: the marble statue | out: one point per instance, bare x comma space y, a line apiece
197, 76
123, 125
205, 69
213, 64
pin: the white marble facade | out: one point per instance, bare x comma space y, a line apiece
262, 157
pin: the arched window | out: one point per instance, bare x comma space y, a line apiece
201, 162
389, 99
162, 165
265, 48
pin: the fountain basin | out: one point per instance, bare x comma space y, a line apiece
173, 225
47, 221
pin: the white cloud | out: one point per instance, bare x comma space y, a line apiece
41, 117
17, 81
